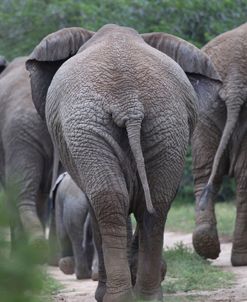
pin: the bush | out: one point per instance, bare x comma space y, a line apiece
21, 279
24, 23
187, 271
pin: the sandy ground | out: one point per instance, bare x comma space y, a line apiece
83, 291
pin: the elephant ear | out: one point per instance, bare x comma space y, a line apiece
195, 63
3, 63
48, 56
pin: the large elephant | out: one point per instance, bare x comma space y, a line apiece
73, 230
219, 146
121, 113
26, 155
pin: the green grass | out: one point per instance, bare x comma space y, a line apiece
181, 217
50, 288
225, 213
187, 271
182, 298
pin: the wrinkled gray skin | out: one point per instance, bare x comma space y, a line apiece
121, 114
74, 232
3, 65
219, 146
25, 154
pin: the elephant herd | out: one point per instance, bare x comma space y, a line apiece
118, 109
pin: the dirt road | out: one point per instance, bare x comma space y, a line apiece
83, 291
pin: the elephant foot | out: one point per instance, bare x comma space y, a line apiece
126, 296
95, 276
239, 258
67, 265
82, 274
100, 291
206, 242
154, 295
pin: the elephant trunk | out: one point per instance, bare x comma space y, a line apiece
133, 128
232, 117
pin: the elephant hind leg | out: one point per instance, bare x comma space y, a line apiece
204, 145
112, 221
66, 262
101, 288
150, 271
239, 248
23, 179
59, 235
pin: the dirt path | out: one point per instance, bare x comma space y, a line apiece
83, 291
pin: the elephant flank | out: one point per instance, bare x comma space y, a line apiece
133, 128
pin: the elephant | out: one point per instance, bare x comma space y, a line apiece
73, 230
26, 157
121, 109
219, 146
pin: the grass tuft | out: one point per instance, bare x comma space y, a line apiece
50, 287
187, 271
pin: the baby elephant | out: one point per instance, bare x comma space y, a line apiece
73, 230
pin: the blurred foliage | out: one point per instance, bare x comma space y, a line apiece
21, 279
187, 271
23, 23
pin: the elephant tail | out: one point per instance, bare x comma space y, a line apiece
133, 127
233, 111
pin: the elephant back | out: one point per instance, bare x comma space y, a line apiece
229, 51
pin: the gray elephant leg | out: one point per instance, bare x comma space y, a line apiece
2, 174
74, 222
109, 199
134, 258
54, 253
148, 280
95, 264
17, 235
66, 262
81, 265
101, 288
90, 249
239, 248
24, 176
42, 208
113, 229
204, 145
